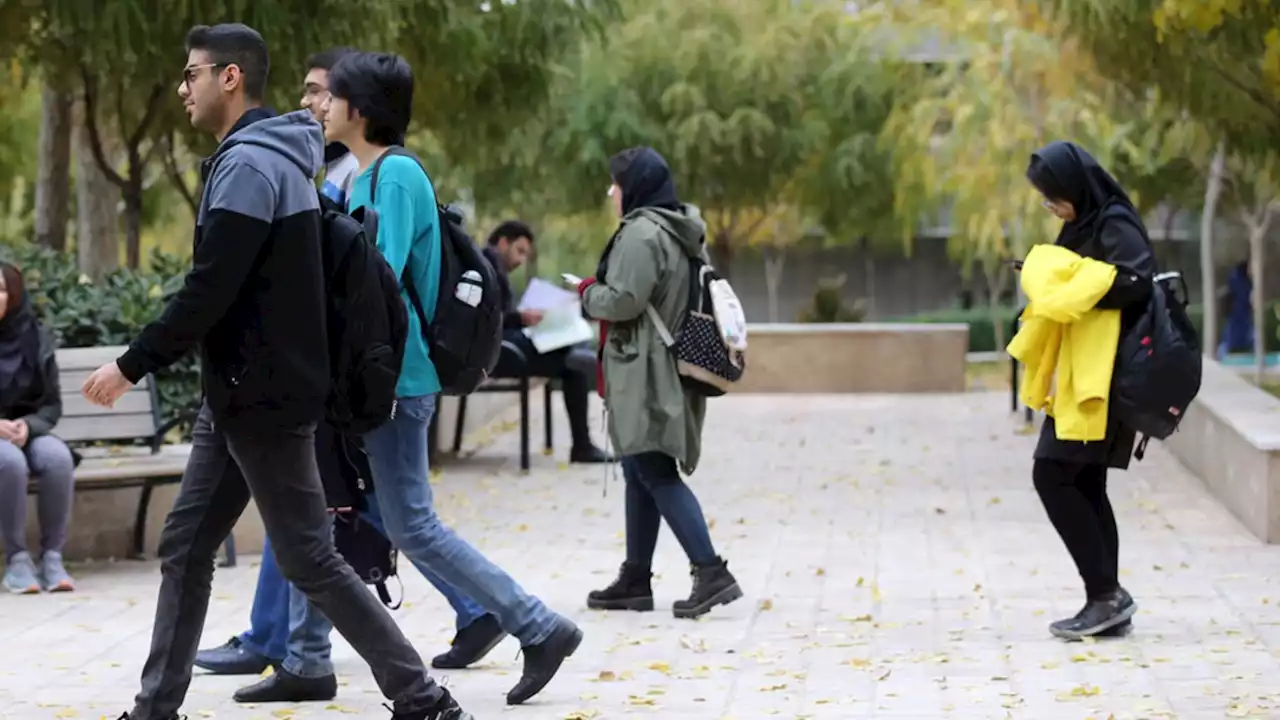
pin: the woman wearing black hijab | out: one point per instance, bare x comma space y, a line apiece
654, 423
30, 405
1099, 222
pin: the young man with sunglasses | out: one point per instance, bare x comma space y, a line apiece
253, 302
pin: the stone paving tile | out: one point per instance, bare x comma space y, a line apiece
896, 561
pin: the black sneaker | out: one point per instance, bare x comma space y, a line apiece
632, 590
284, 686
713, 585
471, 644
1119, 631
1097, 616
233, 658
446, 708
543, 661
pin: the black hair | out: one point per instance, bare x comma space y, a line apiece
380, 87
326, 59
239, 45
511, 230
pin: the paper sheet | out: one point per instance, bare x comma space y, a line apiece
542, 295
561, 326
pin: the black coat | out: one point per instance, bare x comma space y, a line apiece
40, 404
1118, 241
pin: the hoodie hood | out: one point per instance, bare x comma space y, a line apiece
296, 136
685, 225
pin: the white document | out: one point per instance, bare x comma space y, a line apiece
542, 295
561, 326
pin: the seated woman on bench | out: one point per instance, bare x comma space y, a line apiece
30, 405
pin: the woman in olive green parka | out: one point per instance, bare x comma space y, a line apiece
654, 422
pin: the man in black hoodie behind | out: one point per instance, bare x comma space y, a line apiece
254, 301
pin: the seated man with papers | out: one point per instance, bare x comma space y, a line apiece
549, 328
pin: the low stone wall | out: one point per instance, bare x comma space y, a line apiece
855, 358
1230, 439
102, 520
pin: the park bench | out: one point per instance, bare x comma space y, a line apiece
519, 383
135, 419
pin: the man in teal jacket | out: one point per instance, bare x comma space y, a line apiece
368, 111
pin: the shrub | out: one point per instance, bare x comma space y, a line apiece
827, 305
982, 337
112, 311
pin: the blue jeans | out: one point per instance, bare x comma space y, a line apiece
398, 459
284, 628
655, 492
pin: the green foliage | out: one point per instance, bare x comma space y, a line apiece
19, 130
110, 312
758, 105
1215, 58
827, 305
982, 336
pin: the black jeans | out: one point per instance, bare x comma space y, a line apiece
278, 469
656, 492
575, 386
1075, 498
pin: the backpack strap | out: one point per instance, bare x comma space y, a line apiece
1140, 451
385, 595
406, 279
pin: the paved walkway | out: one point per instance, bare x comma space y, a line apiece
896, 562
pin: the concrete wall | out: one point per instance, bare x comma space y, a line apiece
102, 520
929, 280
1230, 438
855, 358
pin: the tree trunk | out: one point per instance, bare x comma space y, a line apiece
774, 261
1208, 278
97, 206
869, 277
1258, 225
997, 277
53, 176
721, 252
133, 222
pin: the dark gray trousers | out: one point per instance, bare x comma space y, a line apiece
278, 469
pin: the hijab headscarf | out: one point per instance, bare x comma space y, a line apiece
1064, 171
645, 179
19, 340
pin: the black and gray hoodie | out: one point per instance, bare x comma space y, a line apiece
254, 297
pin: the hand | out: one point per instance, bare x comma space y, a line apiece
531, 317
8, 429
105, 386
20, 432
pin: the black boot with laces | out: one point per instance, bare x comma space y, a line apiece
713, 585
632, 590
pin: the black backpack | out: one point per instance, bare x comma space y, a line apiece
367, 322
465, 338
1158, 365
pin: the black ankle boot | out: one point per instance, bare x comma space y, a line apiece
713, 585
1098, 615
632, 590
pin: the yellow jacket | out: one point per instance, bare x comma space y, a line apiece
1063, 334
